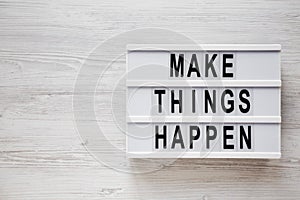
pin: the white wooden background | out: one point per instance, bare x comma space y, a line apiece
44, 43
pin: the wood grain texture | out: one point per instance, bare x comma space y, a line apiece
44, 44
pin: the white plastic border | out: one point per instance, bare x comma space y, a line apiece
204, 47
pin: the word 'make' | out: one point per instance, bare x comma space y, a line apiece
182, 66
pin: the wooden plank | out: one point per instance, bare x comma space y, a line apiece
44, 44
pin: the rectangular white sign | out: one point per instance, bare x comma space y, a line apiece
195, 101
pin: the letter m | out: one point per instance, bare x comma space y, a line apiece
176, 67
